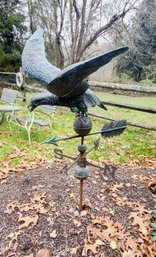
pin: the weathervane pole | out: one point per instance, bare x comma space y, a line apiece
81, 171
81, 196
81, 182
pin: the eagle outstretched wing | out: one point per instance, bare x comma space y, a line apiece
64, 83
71, 77
34, 60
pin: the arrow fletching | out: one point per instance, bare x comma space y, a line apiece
114, 128
51, 140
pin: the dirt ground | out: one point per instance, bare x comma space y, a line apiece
40, 210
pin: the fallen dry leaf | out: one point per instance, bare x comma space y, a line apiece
99, 242
2, 143
77, 223
11, 207
74, 250
142, 177
142, 209
106, 229
39, 197
113, 245
88, 203
72, 195
139, 221
20, 174
119, 201
105, 209
101, 197
53, 234
115, 187
37, 187
83, 213
13, 237
128, 253
26, 207
27, 221
111, 211
89, 247
97, 220
41, 209
24, 164
131, 243
37, 203
44, 253
152, 186
16, 154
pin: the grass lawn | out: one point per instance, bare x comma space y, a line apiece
134, 144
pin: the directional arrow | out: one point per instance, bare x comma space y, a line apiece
111, 129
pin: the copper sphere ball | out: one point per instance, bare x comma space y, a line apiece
82, 125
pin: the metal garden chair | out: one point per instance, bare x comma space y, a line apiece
28, 122
8, 98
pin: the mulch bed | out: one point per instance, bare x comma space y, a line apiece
52, 198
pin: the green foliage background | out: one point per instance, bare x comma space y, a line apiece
11, 35
139, 62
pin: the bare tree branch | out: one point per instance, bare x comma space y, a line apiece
104, 29
76, 25
83, 18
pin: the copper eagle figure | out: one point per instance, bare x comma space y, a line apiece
67, 87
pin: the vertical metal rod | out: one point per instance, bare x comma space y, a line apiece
81, 196
82, 140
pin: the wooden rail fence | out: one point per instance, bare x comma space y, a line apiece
123, 87
134, 88
139, 125
131, 107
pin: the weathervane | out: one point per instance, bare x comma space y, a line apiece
69, 88
82, 126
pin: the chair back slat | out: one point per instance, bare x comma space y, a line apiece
9, 96
48, 108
